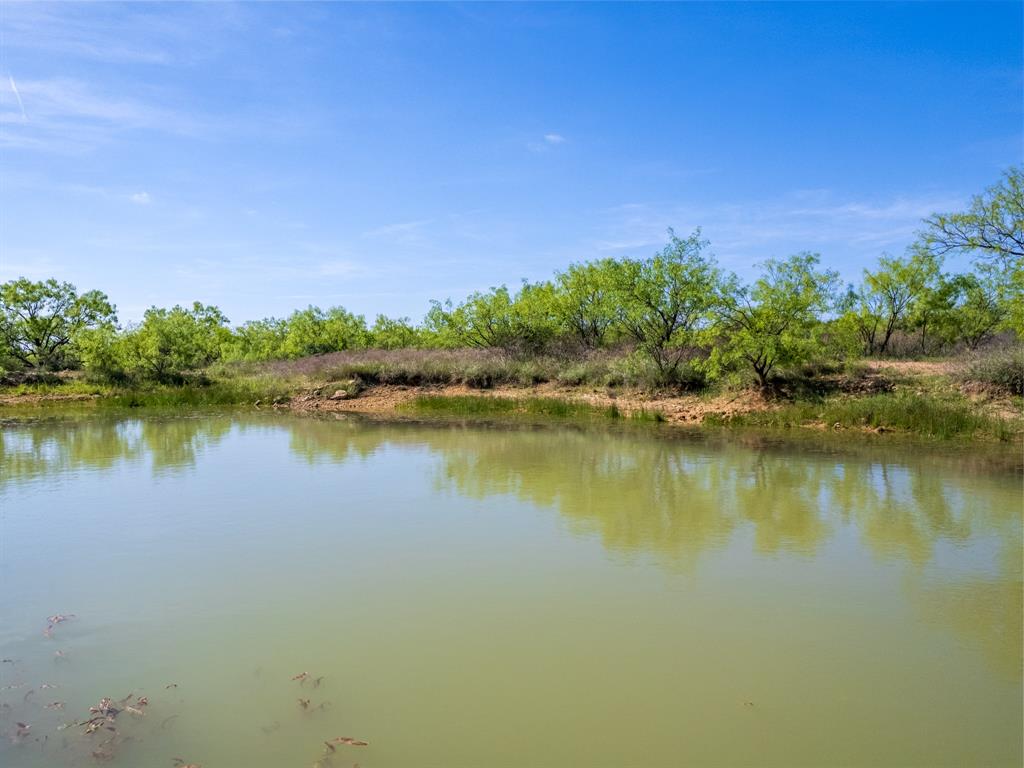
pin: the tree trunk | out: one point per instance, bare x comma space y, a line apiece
762, 375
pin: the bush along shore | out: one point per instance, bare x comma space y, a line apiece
910, 348
974, 397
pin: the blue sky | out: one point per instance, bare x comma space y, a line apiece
264, 157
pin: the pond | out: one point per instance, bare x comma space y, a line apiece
483, 596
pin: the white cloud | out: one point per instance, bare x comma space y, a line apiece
141, 198
33, 263
548, 140
70, 115
21, 104
139, 34
339, 268
748, 232
405, 233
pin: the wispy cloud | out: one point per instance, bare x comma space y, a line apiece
743, 233
17, 95
403, 231
339, 268
35, 264
236, 262
158, 35
69, 114
547, 141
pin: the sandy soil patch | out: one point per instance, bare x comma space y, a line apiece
52, 397
913, 367
679, 409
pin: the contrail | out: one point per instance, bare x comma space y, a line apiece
17, 95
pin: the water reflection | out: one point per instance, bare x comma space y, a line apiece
670, 501
50, 447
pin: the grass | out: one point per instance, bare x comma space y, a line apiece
999, 370
219, 393
476, 368
853, 395
229, 391
470, 406
61, 387
897, 412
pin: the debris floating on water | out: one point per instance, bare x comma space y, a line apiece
348, 741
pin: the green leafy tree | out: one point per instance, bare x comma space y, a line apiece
168, 343
887, 297
102, 354
312, 331
438, 329
777, 321
535, 317
958, 308
993, 226
991, 230
484, 320
258, 340
40, 322
934, 315
666, 302
394, 333
979, 311
585, 301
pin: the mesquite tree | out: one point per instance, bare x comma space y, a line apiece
41, 321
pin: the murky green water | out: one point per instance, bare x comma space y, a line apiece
486, 597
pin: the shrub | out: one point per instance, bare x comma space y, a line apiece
1001, 370
903, 412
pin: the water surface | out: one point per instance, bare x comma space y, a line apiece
495, 597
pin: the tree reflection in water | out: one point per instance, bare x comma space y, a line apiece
668, 500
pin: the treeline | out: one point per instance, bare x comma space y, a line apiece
676, 312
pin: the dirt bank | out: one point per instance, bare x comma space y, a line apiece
32, 398
680, 409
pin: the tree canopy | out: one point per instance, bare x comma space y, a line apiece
672, 317
665, 302
992, 227
777, 321
40, 322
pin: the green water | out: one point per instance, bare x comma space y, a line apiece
486, 597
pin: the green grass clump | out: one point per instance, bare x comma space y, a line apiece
70, 387
898, 412
647, 417
231, 392
463, 405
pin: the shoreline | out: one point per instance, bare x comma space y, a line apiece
383, 399
390, 404
998, 420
